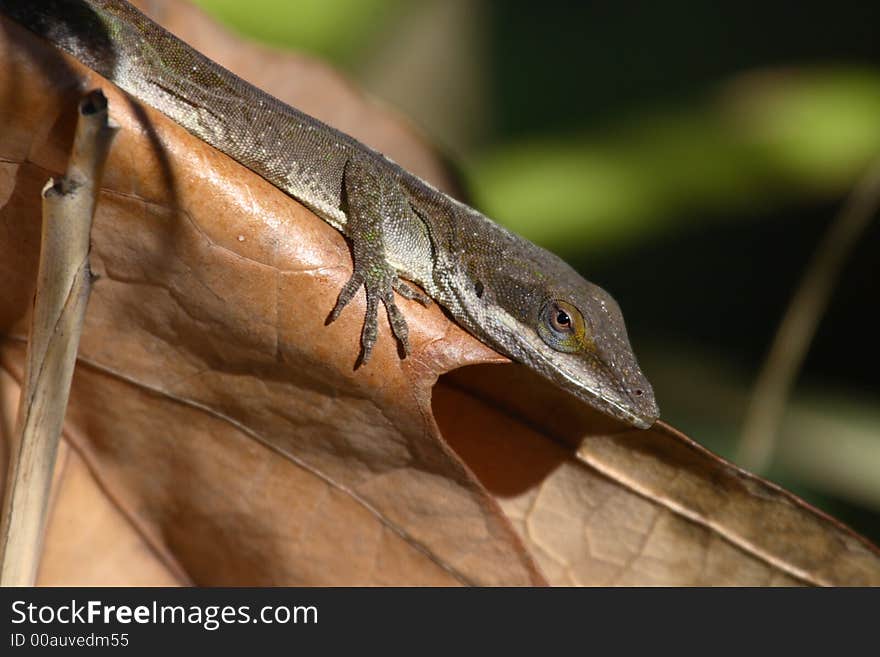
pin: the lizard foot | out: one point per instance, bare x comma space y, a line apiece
371, 199
379, 282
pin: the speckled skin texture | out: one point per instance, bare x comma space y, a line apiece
502, 288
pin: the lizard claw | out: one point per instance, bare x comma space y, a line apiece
378, 288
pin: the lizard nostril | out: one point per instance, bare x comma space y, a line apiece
638, 393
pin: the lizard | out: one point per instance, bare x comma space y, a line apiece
518, 298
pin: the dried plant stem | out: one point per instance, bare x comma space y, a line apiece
63, 286
795, 333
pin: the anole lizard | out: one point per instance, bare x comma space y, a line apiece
511, 294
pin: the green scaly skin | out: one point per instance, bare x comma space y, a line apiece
511, 294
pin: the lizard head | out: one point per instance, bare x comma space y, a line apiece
582, 345
538, 310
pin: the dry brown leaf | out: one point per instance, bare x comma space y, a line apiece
218, 431
600, 504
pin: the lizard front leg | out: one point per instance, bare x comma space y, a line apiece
371, 201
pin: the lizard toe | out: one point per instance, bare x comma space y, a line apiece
407, 292
346, 294
371, 327
396, 320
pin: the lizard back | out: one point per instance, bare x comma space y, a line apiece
294, 151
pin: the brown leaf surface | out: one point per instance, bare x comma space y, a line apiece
598, 503
218, 434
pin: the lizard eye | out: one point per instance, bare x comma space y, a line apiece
562, 326
560, 320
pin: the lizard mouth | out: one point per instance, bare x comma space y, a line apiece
640, 411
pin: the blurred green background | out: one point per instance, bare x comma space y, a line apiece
687, 156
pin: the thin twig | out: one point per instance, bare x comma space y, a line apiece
798, 326
63, 286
